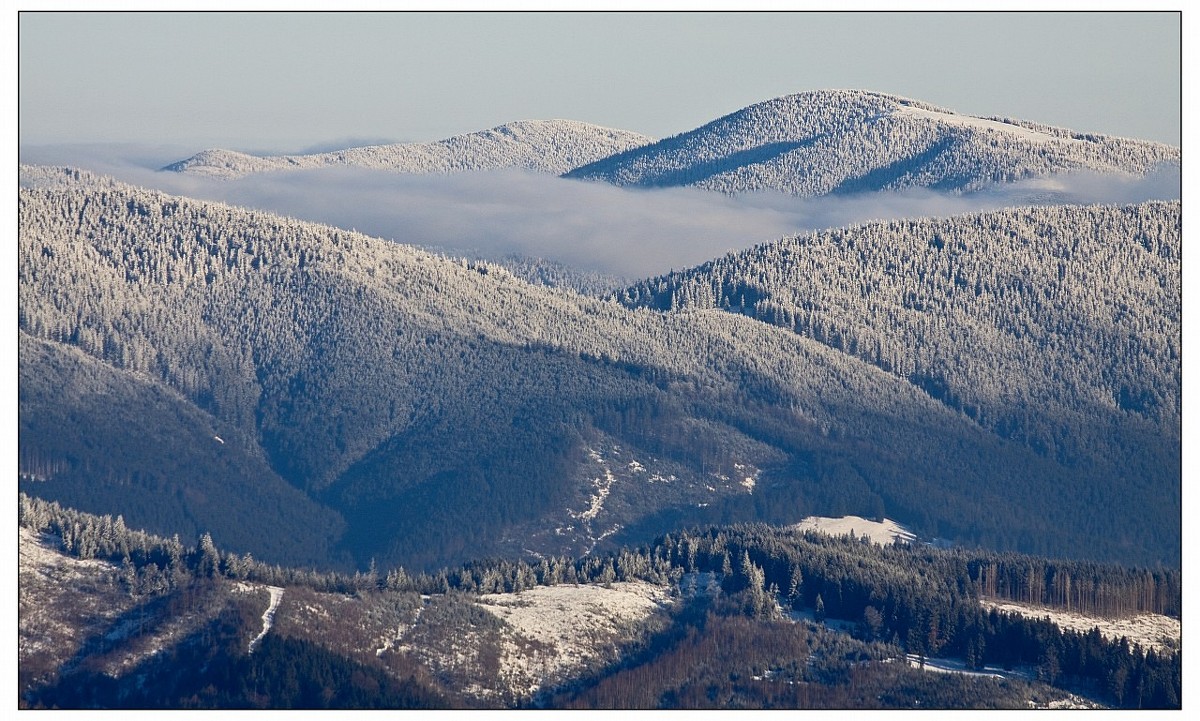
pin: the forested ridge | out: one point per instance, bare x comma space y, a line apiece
1058, 327
849, 141
441, 408
727, 640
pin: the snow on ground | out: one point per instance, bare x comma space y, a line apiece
571, 625
1151, 630
953, 665
45, 624
966, 121
268, 616
596, 504
38, 553
603, 486
748, 481
64, 602
881, 532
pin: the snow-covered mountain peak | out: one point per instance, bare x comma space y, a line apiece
845, 141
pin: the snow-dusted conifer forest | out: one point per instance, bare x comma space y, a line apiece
338, 470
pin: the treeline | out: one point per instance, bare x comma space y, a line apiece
848, 573
152, 564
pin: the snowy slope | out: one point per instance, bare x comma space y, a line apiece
552, 146
838, 141
881, 532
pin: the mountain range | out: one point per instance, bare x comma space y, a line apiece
313, 397
807, 144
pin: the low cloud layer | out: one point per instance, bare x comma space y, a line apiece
593, 226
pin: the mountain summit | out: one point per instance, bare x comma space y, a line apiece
842, 141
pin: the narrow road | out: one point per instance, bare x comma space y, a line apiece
268, 616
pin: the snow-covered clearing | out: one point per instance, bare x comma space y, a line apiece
1151, 630
967, 121
63, 601
46, 576
38, 553
268, 616
881, 532
805, 615
570, 625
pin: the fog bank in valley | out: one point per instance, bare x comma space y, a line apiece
593, 226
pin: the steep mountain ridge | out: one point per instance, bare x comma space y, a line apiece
446, 409
550, 146
845, 141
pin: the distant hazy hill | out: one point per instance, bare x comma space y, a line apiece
840, 141
446, 410
552, 146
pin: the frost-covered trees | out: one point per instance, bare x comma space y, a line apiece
435, 407
1056, 327
838, 141
553, 146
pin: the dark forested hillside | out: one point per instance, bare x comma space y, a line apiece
111, 439
1058, 328
846, 141
423, 410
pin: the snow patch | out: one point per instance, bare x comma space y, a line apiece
603, 487
571, 625
881, 532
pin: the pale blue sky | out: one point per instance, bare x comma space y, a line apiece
289, 82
